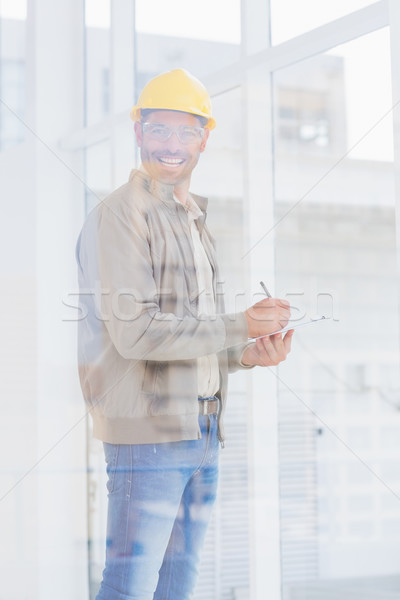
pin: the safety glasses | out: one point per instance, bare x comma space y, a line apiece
161, 133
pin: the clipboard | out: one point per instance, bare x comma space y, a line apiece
289, 327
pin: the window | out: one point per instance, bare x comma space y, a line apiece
336, 240
97, 58
12, 72
170, 35
300, 169
289, 19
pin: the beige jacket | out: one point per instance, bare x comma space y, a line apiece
139, 333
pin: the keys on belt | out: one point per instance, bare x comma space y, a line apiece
208, 406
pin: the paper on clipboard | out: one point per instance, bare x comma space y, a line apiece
289, 327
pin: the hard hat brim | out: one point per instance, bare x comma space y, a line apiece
135, 115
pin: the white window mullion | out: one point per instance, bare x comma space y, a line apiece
265, 576
394, 21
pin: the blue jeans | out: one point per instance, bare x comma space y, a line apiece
159, 505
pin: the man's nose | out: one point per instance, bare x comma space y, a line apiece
173, 144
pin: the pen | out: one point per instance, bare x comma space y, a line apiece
264, 287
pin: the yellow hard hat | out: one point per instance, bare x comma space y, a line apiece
175, 90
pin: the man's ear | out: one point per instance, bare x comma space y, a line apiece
204, 140
138, 132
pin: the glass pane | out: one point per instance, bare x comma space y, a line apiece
219, 176
13, 9
98, 173
12, 72
176, 18
97, 55
225, 561
339, 392
201, 43
306, 15
225, 564
98, 186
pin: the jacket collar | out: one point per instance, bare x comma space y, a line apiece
165, 191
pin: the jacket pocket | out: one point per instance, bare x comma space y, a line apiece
111, 456
150, 376
175, 391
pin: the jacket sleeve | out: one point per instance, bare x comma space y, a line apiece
235, 357
127, 297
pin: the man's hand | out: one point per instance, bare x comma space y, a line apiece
267, 316
268, 351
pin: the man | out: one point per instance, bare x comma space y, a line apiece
156, 345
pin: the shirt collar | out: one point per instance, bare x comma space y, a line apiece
193, 211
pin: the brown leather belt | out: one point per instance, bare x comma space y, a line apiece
208, 406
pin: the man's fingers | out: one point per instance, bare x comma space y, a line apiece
283, 303
278, 346
271, 302
271, 350
287, 340
267, 316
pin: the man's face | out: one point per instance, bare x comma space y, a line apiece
170, 161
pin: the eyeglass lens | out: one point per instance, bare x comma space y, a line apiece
161, 133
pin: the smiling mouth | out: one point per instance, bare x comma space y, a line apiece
171, 162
